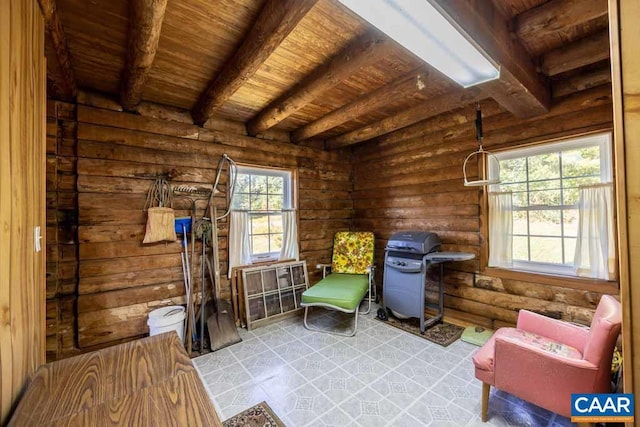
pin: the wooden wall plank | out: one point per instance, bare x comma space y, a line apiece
22, 197
626, 87
125, 297
130, 279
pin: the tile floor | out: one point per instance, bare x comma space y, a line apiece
381, 377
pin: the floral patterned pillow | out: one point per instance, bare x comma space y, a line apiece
352, 252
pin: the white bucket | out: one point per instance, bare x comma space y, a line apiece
167, 319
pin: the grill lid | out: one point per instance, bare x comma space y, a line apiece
417, 242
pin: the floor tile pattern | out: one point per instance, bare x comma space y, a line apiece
382, 376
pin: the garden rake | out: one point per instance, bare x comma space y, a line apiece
192, 194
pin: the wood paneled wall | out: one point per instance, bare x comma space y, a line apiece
623, 24
118, 155
413, 180
22, 197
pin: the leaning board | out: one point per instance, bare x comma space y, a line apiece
273, 292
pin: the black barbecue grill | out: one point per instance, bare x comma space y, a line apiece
408, 255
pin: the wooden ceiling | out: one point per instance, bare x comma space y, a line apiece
311, 67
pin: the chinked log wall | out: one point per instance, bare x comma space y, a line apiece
118, 155
404, 183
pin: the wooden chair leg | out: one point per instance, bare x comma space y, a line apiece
486, 388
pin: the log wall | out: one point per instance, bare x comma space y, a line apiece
119, 280
103, 281
62, 230
412, 179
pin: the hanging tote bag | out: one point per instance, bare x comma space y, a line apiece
160, 225
160, 215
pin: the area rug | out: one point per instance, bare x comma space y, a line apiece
260, 415
440, 333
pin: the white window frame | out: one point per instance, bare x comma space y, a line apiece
287, 203
603, 140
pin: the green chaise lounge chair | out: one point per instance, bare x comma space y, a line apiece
349, 282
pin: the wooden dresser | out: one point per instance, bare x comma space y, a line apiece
148, 382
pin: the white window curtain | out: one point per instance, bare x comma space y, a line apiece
239, 249
595, 245
289, 235
500, 229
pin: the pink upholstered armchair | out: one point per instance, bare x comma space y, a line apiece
544, 361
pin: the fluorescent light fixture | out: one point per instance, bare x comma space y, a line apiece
426, 31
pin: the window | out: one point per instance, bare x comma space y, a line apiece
544, 182
264, 193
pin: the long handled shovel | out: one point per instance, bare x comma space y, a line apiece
222, 327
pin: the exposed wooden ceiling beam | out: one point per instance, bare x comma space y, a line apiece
412, 82
361, 52
557, 16
519, 88
510, 8
582, 81
586, 51
145, 23
276, 20
64, 81
445, 128
443, 121
430, 108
